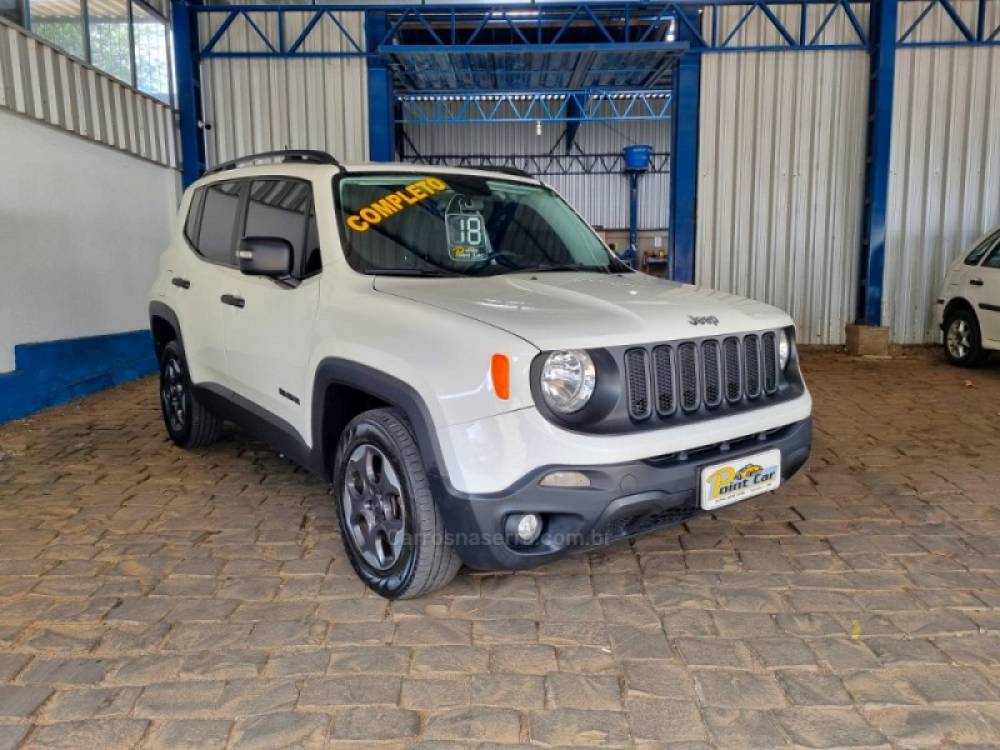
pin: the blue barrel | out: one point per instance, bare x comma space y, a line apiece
637, 158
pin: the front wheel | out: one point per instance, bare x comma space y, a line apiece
391, 527
962, 341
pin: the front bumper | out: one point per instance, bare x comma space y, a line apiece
624, 500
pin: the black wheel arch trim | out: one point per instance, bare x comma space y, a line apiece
390, 389
166, 313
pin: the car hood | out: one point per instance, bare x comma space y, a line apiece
580, 310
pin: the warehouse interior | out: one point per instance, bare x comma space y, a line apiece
833, 158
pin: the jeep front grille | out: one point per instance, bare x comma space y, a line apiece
702, 374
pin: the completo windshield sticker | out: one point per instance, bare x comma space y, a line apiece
395, 202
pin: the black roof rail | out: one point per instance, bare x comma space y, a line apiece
287, 155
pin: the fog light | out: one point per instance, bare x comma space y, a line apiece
565, 479
524, 529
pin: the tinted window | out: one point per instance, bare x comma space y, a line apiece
973, 258
215, 239
994, 260
284, 208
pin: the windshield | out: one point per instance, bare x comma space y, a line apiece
444, 225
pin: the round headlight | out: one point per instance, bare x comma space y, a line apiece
568, 380
784, 349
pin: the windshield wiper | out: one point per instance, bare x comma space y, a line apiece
407, 272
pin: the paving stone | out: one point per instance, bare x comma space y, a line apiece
21, 702
90, 703
476, 723
906, 651
932, 727
655, 719
879, 687
180, 700
745, 730
629, 642
107, 734
594, 692
430, 693
350, 690
12, 734
189, 735
946, 684
373, 660
519, 691
524, 659
804, 688
281, 730
828, 728
657, 679
580, 728
737, 689
66, 671
375, 723
433, 632
782, 652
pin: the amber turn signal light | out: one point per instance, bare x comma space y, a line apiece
500, 373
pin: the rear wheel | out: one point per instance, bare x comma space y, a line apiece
962, 340
391, 528
189, 422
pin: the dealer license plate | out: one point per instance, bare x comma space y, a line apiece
727, 483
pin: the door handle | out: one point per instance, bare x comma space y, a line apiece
182, 283
976, 282
232, 299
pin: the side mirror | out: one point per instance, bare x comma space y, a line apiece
265, 256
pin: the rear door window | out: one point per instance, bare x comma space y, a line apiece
284, 208
218, 218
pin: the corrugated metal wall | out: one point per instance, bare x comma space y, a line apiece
44, 84
781, 170
256, 105
602, 199
944, 186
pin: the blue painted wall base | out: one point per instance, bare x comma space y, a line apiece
56, 372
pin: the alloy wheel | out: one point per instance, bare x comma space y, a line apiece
959, 338
374, 507
173, 394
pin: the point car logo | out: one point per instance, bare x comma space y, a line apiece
703, 320
728, 479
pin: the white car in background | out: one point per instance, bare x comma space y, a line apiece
969, 305
463, 358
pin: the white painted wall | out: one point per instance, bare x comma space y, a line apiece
81, 229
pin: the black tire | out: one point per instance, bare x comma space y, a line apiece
423, 561
963, 343
189, 422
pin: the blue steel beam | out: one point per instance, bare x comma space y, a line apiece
871, 263
381, 120
684, 169
185, 26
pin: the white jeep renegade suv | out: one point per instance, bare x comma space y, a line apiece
479, 376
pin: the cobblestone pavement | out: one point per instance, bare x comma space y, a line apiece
158, 599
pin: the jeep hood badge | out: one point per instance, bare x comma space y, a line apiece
703, 320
